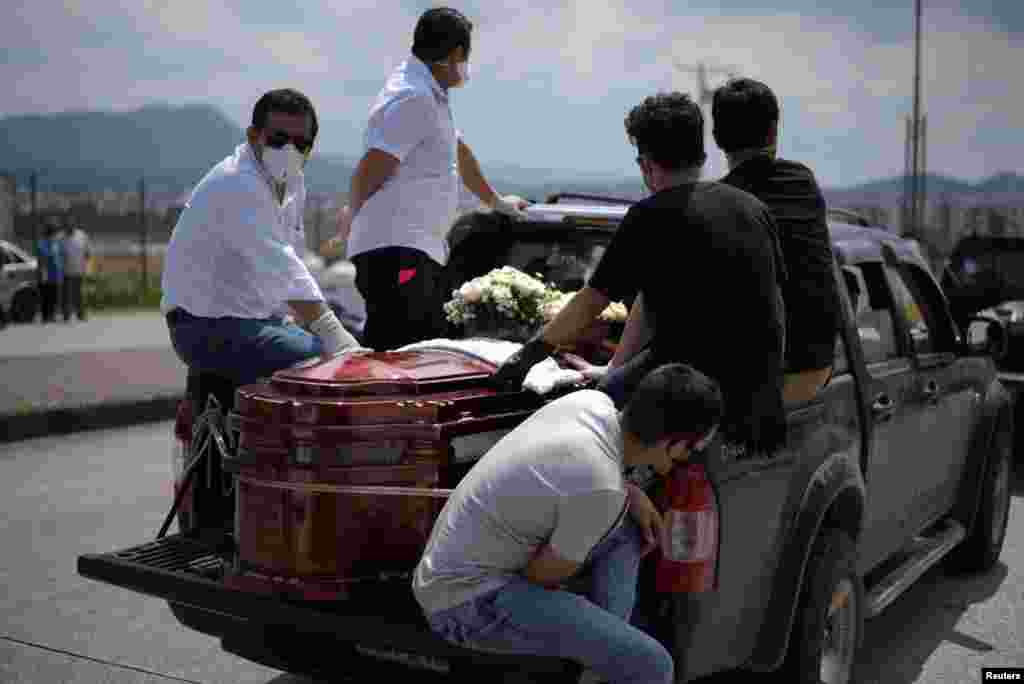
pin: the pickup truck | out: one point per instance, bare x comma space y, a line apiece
304, 503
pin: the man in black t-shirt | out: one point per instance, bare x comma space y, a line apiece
746, 124
703, 262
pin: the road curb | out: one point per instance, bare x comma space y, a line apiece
66, 420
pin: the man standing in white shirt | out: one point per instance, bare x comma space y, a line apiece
405, 190
231, 262
76, 258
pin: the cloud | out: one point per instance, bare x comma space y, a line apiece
551, 80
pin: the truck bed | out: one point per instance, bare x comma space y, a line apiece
384, 624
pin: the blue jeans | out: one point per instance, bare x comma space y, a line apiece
242, 349
594, 631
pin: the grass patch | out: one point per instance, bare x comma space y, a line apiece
104, 291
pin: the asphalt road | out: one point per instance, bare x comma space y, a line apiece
102, 331
97, 491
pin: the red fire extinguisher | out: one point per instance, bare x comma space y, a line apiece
689, 543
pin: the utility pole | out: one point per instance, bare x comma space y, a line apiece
143, 238
705, 96
704, 93
33, 182
915, 200
922, 190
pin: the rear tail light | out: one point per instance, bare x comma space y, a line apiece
689, 543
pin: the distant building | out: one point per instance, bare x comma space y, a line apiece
8, 203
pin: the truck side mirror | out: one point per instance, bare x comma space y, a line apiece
987, 337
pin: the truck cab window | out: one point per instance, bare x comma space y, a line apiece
871, 312
841, 362
912, 311
917, 298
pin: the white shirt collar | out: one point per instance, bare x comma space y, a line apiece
417, 68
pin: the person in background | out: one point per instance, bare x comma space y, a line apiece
708, 291
77, 253
231, 262
549, 501
746, 128
404, 193
50, 256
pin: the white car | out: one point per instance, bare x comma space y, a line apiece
19, 292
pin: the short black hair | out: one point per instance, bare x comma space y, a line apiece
743, 112
673, 400
287, 101
669, 129
439, 31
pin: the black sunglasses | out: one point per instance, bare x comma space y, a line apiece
278, 139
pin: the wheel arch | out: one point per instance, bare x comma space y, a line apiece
997, 413
833, 498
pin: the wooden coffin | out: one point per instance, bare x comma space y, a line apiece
343, 467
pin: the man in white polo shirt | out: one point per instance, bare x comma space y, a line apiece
231, 263
405, 190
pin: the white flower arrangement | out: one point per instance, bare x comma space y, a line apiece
508, 296
504, 294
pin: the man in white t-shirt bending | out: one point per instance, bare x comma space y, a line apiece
548, 500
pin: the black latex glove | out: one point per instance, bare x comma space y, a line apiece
510, 375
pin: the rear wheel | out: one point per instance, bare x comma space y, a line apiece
24, 306
830, 614
981, 549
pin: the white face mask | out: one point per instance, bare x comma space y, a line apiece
462, 68
283, 163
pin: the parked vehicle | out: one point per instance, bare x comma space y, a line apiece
985, 279
19, 291
308, 504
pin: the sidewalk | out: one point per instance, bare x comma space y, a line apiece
109, 371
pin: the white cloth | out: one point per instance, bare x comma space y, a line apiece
76, 250
232, 252
555, 479
542, 378
412, 121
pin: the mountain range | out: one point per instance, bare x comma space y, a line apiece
173, 146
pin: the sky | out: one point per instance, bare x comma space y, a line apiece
552, 82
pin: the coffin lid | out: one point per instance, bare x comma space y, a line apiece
409, 373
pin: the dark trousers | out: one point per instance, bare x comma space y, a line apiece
405, 291
71, 297
49, 295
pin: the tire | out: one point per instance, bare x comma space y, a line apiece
24, 306
980, 550
824, 642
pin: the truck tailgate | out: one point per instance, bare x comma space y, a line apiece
180, 570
